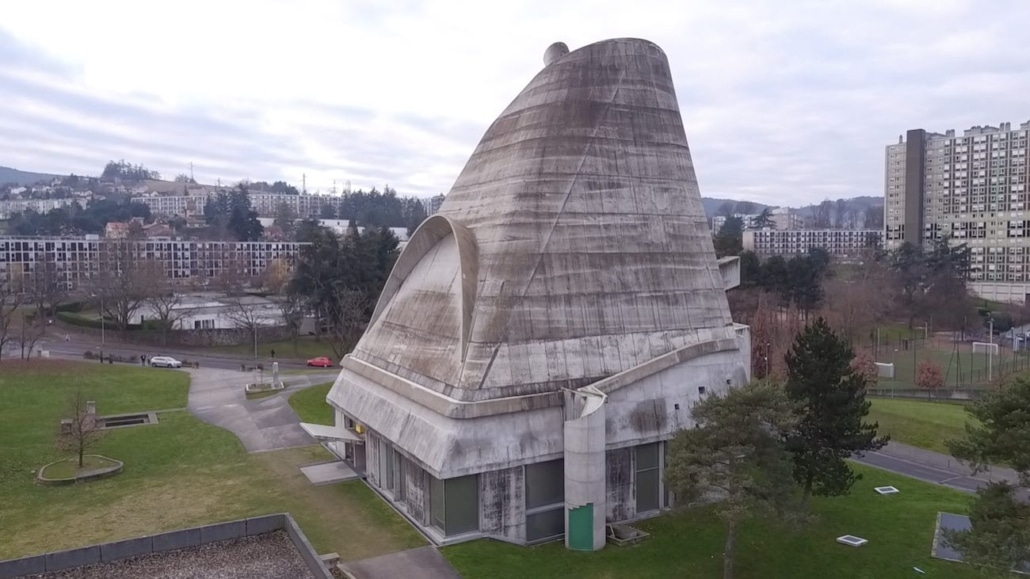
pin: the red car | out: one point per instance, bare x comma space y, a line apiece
321, 362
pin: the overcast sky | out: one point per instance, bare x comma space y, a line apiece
783, 102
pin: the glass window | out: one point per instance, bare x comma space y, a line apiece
545, 524
436, 512
461, 504
454, 504
647, 478
545, 483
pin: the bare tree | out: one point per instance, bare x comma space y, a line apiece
80, 431
167, 306
33, 328
124, 281
45, 289
346, 316
10, 301
276, 276
292, 307
246, 313
822, 215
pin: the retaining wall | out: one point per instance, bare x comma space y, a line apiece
108, 552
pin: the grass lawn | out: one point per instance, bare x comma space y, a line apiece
311, 406
899, 528
919, 422
178, 473
306, 348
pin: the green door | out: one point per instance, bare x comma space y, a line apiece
581, 528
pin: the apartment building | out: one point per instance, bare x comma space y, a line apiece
265, 203
836, 242
10, 207
970, 188
77, 260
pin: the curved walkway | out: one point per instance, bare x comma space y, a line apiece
217, 397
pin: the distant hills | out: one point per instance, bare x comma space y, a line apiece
712, 205
9, 175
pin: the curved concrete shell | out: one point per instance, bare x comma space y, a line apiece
572, 251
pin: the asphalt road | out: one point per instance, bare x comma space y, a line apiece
77, 345
933, 467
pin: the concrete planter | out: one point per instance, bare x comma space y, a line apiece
91, 475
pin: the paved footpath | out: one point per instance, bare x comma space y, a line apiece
217, 397
933, 467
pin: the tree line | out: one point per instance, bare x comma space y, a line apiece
73, 219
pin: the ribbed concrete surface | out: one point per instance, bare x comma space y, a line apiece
573, 245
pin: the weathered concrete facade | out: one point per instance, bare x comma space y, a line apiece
572, 254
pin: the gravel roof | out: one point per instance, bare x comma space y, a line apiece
267, 556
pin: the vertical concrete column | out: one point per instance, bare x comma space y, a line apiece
585, 488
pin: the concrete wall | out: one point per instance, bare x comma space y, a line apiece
1010, 293
225, 337
620, 466
502, 503
181, 539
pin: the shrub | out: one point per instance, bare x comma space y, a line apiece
865, 366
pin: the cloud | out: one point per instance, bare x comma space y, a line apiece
782, 102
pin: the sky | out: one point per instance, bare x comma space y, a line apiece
783, 102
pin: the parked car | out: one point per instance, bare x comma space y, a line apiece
165, 362
321, 362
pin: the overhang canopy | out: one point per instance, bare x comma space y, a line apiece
330, 433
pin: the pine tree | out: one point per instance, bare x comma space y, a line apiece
832, 405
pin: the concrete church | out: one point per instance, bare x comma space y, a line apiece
542, 336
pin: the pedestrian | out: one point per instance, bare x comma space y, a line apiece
273, 352
142, 359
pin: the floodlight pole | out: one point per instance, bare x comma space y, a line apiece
990, 350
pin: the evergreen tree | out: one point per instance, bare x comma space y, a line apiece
730, 238
999, 433
831, 405
736, 452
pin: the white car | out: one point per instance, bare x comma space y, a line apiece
165, 362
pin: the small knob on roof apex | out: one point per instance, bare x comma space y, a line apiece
554, 52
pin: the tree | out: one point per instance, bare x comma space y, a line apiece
286, 219
764, 219
999, 433
874, 217
124, 281
831, 398
231, 214
822, 217
246, 313
999, 537
184, 178
929, 377
750, 270
864, 365
166, 306
414, 214
82, 433
44, 288
736, 454
292, 307
10, 301
729, 239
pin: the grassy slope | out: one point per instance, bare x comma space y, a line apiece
306, 348
178, 473
310, 404
919, 423
899, 529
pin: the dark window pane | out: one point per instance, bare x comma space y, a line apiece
462, 504
436, 502
647, 456
545, 525
647, 490
545, 483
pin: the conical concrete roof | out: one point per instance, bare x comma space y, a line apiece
572, 247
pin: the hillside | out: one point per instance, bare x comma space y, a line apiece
713, 204
9, 175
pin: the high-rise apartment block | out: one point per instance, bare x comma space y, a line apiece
970, 188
